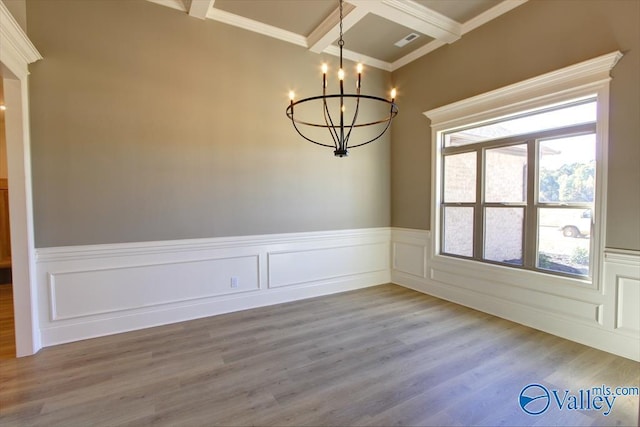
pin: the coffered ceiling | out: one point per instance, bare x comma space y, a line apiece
374, 30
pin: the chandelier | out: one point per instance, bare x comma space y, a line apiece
341, 122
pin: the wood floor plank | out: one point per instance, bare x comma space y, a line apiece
430, 407
379, 356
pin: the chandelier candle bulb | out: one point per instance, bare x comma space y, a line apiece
292, 95
324, 75
393, 94
359, 68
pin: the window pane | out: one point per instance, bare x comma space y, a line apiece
567, 169
506, 174
572, 115
503, 235
458, 231
563, 240
460, 178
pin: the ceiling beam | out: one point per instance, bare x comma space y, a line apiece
414, 16
255, 26
407, 13
491, 14
199, 8
329, 30
486, 16
358, 57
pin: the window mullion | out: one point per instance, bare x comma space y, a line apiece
531, 215
478, 250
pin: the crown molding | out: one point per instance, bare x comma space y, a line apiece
358, 57
16, 50
584, 74
491, 14
420, 52
329, 30
256, 27
470, 25
414, 16
442, 28
274, 32
172, 4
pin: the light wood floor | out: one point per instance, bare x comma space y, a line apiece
380, 356
7, 327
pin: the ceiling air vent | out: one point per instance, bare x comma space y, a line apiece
408, 39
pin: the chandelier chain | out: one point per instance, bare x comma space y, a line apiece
341, 41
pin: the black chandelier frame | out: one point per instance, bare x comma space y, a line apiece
339, 130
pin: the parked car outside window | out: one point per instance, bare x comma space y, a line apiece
580, 227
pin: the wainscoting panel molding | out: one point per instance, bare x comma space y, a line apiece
622, 289
90, 291
326, 263
627, 314
605, 317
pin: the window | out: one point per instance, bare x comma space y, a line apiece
518, 182
520, 191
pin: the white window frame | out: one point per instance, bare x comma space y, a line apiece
584, 79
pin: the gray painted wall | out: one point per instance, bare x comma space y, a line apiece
148, 124
535, 38
18, 9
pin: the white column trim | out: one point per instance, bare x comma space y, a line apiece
16, 53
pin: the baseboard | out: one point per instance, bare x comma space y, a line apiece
604, 316
99, 290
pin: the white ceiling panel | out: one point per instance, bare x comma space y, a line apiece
459, 10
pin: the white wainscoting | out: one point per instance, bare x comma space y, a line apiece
622, 289
603, 315
90, 291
